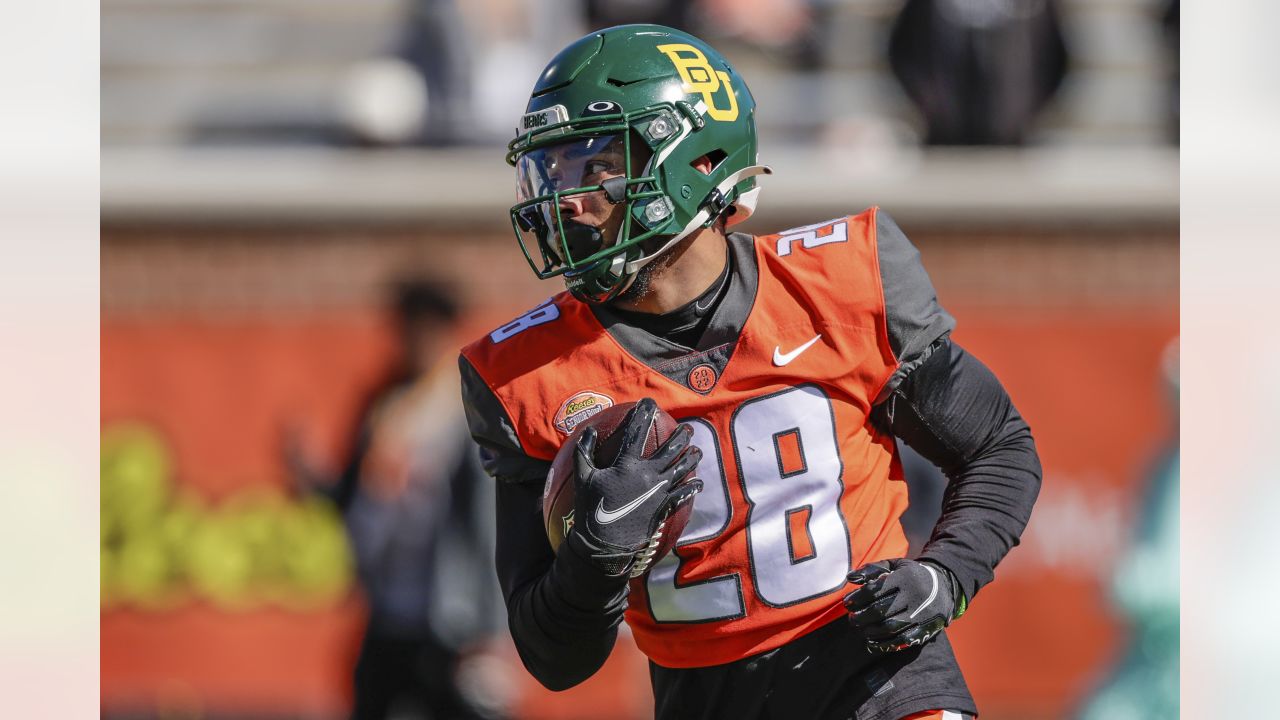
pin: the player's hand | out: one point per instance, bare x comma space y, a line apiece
901, 603
620, 508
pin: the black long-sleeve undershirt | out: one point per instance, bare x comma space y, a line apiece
954, 412
563, 612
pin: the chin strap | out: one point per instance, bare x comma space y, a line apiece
706, 213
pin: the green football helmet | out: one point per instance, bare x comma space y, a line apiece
622, 115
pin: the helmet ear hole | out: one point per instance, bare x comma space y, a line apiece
707, 164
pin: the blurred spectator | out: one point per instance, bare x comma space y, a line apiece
436, 43
979, 70
1170, 24
1144, 685
789, 29
607, 13
419, 514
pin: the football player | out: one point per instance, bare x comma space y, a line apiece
792, 360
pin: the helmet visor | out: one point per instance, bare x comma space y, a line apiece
570, 197
579, 165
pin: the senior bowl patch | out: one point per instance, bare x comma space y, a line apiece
578, 408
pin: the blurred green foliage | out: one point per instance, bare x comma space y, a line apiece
162, 546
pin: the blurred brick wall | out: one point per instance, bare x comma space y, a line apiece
225, 269
289, 269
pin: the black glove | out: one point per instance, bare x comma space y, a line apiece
620, 510
902, 602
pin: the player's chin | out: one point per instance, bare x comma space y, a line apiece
642, 285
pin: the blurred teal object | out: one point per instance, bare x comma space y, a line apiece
1145, 591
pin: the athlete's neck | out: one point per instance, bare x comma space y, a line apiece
693, 267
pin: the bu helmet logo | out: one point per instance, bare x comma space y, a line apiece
700, 78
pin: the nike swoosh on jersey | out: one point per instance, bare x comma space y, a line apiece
604, 517
780, 358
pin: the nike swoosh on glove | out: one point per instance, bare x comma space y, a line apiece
901, 603
620, 508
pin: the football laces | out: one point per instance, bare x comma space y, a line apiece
645, 557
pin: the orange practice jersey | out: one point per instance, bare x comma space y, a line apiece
799, 488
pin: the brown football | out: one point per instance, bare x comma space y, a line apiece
557, 497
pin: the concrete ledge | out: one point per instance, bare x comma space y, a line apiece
474, 186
